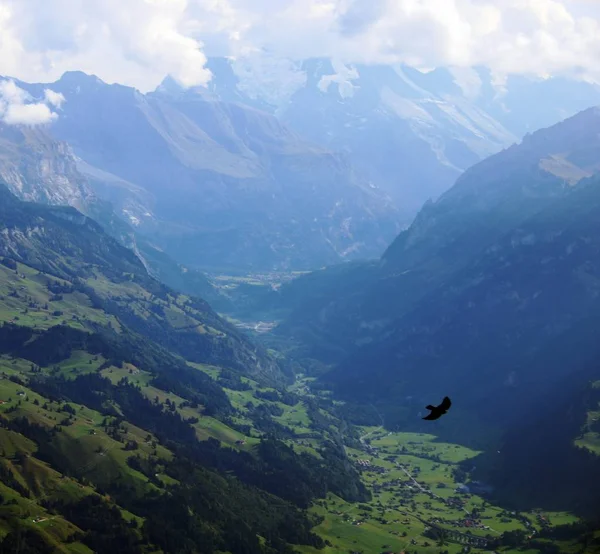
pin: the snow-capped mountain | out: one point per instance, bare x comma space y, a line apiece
410, 132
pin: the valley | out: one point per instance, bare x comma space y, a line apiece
418, 504
223, 310
423, 489
57, 450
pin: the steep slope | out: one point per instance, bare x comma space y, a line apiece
411, 132
486, 202
478, 335
38, 168
64, 243
559, 438
219, 184
113, 428
521, 103
410, 141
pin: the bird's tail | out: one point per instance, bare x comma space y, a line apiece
430, 407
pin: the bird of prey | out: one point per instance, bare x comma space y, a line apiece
438, 411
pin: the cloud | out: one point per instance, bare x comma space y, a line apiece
28, 114
18, 108
359, 16
55, 99
135, 42
138, 42
541, 37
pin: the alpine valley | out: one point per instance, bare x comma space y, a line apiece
224, 308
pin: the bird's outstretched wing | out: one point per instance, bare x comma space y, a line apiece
432, 415
446, 403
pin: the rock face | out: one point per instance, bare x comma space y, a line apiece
219, 184
411, 133
38, 168
410, 140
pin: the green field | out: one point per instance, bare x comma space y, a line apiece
410, 489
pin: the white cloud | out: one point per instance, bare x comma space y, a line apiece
18, 108
55, 99
10, 93
135, 42
28, 114
138, 42
509, 36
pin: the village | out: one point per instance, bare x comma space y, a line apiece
455, 515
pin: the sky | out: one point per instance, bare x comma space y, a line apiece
139, 42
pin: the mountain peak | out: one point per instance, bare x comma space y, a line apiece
81, 79
169, 85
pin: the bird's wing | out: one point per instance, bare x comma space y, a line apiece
431, 416
430, 407
445, 403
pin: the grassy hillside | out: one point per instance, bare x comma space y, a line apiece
411, 477
78, 258
76, 309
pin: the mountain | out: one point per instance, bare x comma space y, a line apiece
37, 167
491, 297
66, 244
218, 184
411, 132
409, 141
116, 430
525, 104
463, 300
357, 304
481, 334
412, 143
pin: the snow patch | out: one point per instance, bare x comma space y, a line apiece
264, 77
343, 77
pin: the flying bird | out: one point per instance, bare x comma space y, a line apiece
438, 411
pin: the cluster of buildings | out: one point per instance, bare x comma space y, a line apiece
369, 466
468, 522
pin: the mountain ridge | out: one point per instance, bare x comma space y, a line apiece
387, 116
265, 197
487, 201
